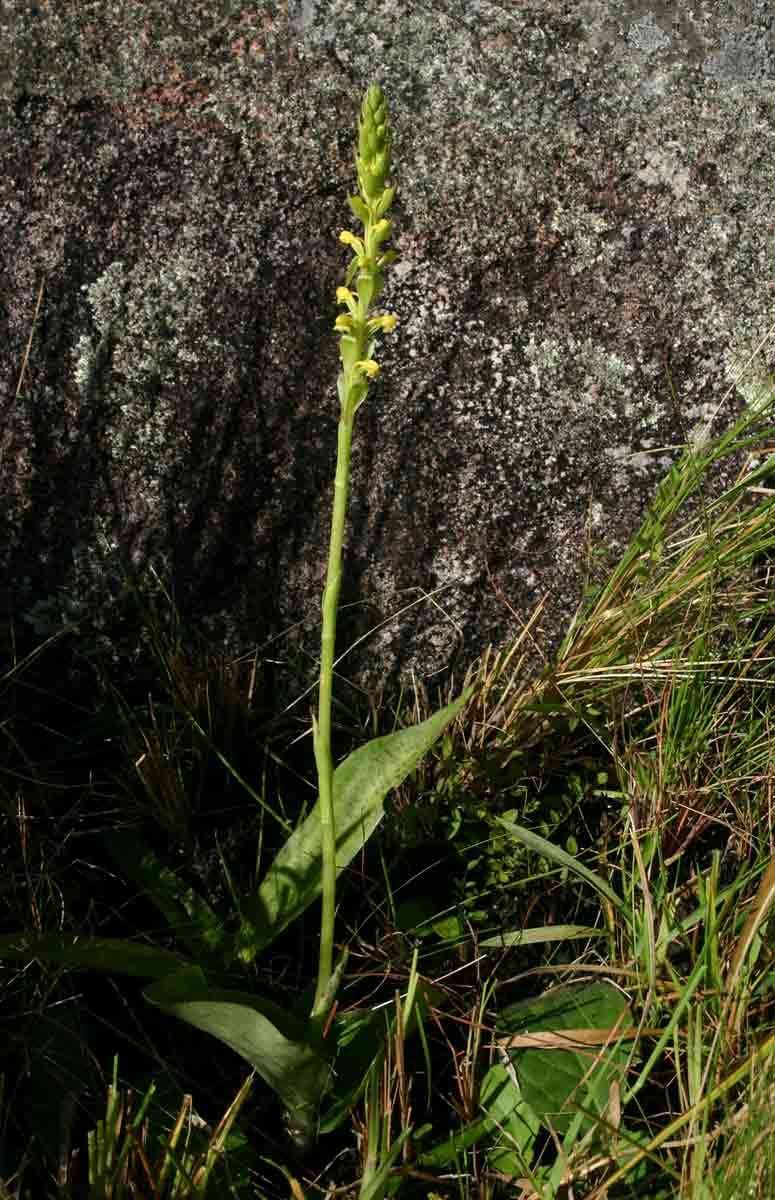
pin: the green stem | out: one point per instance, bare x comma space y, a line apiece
358, 367
322, 730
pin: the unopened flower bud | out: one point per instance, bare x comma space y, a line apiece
373, 157
384, 202
381, 231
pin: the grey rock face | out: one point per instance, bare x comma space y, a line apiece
584, 200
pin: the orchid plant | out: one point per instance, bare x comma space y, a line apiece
293, 1051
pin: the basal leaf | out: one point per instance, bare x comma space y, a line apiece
578, 1052
263, 1033
189, 916
360, 1042
94, 954
361, 784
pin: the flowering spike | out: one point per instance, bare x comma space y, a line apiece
357, 345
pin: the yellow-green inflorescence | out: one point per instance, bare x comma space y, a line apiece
356, 326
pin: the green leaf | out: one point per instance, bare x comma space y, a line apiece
449, 928
556, 854
542, 933
378, 1185
506, 1112
94, 954
361, 784
449, 1153
263, 1033
517, 1124
359, 209
360, 1043
189, 916
555, 1081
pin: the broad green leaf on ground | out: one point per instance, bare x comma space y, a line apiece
361, 784
188, 915
263, 1033
93, 954
578, 1052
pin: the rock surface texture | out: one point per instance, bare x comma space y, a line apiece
585, 227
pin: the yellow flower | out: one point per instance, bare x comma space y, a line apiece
345, 296
369, 367
386, 323
350, 239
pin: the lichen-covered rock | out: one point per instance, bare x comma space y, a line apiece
584, 201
